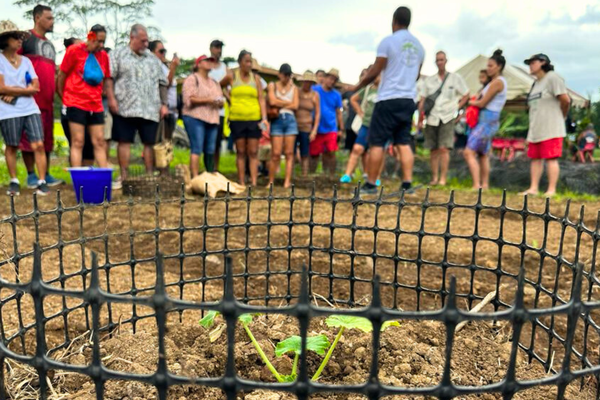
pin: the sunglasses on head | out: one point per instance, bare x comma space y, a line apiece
163, 51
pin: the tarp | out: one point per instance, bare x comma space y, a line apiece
519, 81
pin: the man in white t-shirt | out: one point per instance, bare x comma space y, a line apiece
439, 132
218, 73
399, 60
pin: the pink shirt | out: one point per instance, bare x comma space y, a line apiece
196, 86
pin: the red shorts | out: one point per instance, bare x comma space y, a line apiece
546, 150
323, 143
48, 126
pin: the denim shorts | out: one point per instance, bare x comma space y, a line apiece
203, 136
363, 137
285, 125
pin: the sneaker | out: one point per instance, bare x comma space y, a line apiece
42, 189
369, 189
117, 184
378, 183
52, 181
346, 179
32, 181
13, 189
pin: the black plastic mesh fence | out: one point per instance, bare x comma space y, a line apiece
68, 271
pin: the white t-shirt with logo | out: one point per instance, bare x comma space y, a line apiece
25, 105
546, 120
405, 55
218, 74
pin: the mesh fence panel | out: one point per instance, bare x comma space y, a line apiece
268, 253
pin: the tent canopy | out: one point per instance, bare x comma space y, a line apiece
519, 82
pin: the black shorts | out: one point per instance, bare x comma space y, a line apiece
124, 129
220, 135
88, 147
350, 139
85, 118
392, 121
245, 130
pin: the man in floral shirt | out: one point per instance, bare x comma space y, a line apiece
137, 97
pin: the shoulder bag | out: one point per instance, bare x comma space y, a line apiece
430, 100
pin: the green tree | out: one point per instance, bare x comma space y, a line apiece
80, 15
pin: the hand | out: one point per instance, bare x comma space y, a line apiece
420, 125
164, 111
353, 88
267, 124
218, 102
361, 114
32, 90
113, 106
313, 135
7, 99
175, 62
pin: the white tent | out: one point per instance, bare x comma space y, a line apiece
519, 82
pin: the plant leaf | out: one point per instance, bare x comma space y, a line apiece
288, 378
349, 322
387, 324
245, 319
209, 319
215, 334
319, 344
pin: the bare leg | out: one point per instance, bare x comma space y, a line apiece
11, 160
304, 161
314, 163
77, 142
435, 166
123, 154
97, 136
329, 163
29, 161
252, 154
537, 168
288, 149
473, 163
484, 162
276, 150
444, 160
40, 159
375, 157
381, 166
149, 158
553, 171
240, 160
358, 151
407, 161
365, 160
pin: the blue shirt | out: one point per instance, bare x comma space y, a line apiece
331, 101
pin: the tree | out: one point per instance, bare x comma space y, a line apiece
80, 15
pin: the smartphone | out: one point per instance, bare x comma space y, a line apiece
174, 55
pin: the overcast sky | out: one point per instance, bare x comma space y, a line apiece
344, 34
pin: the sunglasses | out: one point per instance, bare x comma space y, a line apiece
163, 51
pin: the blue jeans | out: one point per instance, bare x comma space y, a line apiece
285, 125
203, 136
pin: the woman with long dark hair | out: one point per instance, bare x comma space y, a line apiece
548, 108
491, 103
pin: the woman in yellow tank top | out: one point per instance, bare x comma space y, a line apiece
247, 113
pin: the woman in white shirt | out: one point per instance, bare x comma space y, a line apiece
491, 103
18, 110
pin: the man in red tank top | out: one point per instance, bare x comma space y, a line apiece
42, 54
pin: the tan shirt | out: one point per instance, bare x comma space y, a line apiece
196, 86
546, 120
446, 105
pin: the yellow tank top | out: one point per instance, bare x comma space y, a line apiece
244, 100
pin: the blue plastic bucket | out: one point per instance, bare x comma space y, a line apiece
91, 182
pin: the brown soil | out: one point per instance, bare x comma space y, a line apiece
410, 356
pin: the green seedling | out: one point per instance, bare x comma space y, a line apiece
318, 344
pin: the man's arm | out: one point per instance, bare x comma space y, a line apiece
565, 104
109, 88
463, 101
340, 119
372, 73
60, 83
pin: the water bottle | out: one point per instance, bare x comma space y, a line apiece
28, 78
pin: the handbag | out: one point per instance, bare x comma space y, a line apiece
92, 73
163, 149
358, 121
472, 115
430, 100
272, 112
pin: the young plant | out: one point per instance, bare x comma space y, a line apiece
345, 322
318, 344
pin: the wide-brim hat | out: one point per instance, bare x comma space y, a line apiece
334, 72
7, 26
204, 58
308, 76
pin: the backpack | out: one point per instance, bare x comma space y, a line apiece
92, 73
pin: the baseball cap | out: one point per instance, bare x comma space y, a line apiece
203, 58
285, 69
539, 57
217, 43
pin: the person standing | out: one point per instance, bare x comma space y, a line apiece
42, 55
350, 137
202, 100
320, 74
439, 132
363, 102
80, 80
491, 103
247, 115
549, 104
169, 69
331, 124
283, 95
137, 98
18, 110
399, 61
218, 73
308, 117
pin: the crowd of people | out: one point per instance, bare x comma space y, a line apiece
132, 90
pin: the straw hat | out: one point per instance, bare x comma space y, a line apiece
7, 26
308, 76
334, 72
